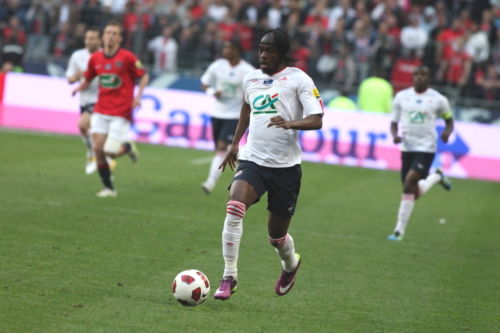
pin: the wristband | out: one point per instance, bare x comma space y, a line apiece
210, 91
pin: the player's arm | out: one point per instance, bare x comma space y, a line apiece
311, 122
243, 124
207, 79
211, 91
143, 82
448, 119
89, 75
395, 115
73, 74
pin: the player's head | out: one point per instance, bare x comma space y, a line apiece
231, 50
274, 51
112, 35
421, 78
92, 39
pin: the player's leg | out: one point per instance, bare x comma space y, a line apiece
414, 170
223, 133
245, 190
434, 178
84, 126
117, 145
283, 192
99, 129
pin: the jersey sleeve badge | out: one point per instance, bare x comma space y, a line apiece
315, 93
138, 64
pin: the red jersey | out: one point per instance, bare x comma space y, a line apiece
117, 76
456, 64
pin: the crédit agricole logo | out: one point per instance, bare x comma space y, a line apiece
264, 104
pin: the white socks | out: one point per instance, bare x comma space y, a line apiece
424, 185
231, 237
87, 141
405, 209
286, 250
215, 172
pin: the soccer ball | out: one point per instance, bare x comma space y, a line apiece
191, 287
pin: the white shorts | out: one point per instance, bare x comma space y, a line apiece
115, 127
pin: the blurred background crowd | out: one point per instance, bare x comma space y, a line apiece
340, 43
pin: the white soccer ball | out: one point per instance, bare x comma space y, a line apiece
191, 287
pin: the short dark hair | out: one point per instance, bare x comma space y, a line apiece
283, 43
114, 23
95, 29
236, 45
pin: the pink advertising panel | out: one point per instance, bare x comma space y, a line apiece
180, 118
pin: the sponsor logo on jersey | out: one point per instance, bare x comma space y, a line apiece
267, 83
255, 80
283, 79
265, 104
417, 117
110, 81
138, 64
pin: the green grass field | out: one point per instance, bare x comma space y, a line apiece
72, 262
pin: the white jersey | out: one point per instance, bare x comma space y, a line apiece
78, 63
228, 79
418, 114
290, 94
165, 51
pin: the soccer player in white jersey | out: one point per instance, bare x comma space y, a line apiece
418, 109
223, 80
76, 67
279, 101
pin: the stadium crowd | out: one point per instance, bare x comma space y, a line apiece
340, 42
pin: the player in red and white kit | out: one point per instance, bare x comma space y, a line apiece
116, 69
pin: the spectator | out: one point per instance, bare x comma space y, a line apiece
495, 54
91, 14
413, 37
385, 49
7, 66
362, 42
228, 27
429, 21
38, 17
11, 8
489, 83
165, 50
301, 53
455, 70
217, 10
12, 52
274, 14
342, 102
344, 10
477, 45
317, 14
187, 49
402, 72
66, 12
63, 42
344, 74
375, 94
14, 29
444, 47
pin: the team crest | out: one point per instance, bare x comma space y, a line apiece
107, 67
118, 64
267, 83
138, 64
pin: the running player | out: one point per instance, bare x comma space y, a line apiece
418, 108
117, 70
223, 80
76, 67
279, 101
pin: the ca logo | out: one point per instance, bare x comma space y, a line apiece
265, 104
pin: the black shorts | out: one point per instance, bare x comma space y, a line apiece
223, 129
282, 185
414, 160
87, 108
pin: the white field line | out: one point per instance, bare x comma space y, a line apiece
202, 160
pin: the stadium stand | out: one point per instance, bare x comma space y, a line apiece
340, 42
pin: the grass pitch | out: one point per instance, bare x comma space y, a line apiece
71, 262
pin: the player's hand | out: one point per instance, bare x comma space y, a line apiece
136, 103
397, 139
445, 136
230, 158
279, 122
218, 94
73, 93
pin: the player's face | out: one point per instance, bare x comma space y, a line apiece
421, 79
269, 58
112, 36
92, 41
227, 51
